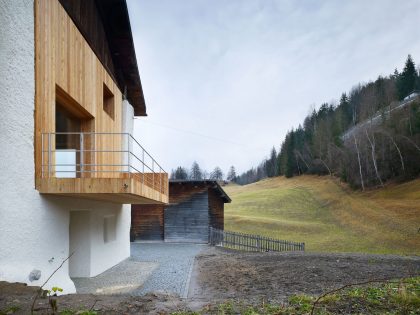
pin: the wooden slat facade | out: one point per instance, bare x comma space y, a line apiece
75, 72
147, 222
217, 210
66, 65
188, 221
193, 208
105, 26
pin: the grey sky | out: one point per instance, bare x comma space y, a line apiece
225, 80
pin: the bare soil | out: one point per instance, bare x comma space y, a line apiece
221, 275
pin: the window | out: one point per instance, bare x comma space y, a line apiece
110, 228
108, 101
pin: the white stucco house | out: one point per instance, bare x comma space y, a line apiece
69, 166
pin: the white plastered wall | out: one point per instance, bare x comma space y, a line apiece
34, 229
92, 255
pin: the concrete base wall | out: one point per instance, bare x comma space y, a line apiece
34, 229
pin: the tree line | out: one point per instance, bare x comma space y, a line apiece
370, 136
197, 173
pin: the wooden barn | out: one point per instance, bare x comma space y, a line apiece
194, 206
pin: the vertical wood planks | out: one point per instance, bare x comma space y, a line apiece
64, 58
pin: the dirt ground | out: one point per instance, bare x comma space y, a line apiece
221, 274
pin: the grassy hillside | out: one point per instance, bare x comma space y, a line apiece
327, 215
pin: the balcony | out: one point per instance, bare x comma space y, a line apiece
111, 167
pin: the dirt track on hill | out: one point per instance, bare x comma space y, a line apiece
221, 275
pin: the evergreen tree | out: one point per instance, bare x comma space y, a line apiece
217, 174
179, 173
407, 80
271, 164
231, 176
333, 141
196, 172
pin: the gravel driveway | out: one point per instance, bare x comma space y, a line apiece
152, 267
175, 266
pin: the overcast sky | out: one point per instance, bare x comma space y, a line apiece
225, 80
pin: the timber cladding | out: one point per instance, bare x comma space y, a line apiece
147, 222
193, 207
106, 27
66, 68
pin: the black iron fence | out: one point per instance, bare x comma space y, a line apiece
253, 243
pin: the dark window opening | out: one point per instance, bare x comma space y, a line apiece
108, 101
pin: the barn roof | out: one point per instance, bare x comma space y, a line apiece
208, 182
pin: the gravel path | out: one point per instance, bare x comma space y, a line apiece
175, 266
125, 277
152, 267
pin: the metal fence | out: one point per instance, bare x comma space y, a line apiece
252, 243
99, 155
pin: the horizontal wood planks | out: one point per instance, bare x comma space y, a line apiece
216, 210
188, 221
147, 222
129, 190
193, 207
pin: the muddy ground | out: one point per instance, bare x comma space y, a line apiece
221, 274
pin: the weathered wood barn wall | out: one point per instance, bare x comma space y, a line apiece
147, 222
193, 207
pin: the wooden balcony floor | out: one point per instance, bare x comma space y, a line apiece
117, 190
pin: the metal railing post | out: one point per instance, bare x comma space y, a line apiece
142, 162
81, 154
153, 171
128, 153
42, 155
49, 154
160, 178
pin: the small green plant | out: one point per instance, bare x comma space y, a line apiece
386, 297
10, 310
52, 298
227, 308
302, 303
80, 312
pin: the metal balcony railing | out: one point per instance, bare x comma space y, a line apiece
100, 155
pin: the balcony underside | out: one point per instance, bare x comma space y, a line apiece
116, 190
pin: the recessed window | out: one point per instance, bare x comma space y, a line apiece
110, 228
108, 102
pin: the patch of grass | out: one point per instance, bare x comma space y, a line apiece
389, 298
327, 215
10, 310
79, 312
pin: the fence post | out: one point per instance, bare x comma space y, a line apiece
211, 236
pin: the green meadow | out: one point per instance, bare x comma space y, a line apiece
327, 215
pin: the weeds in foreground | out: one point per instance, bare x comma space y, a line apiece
10, 310
390, 298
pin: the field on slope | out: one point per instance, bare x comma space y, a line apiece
327, 215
